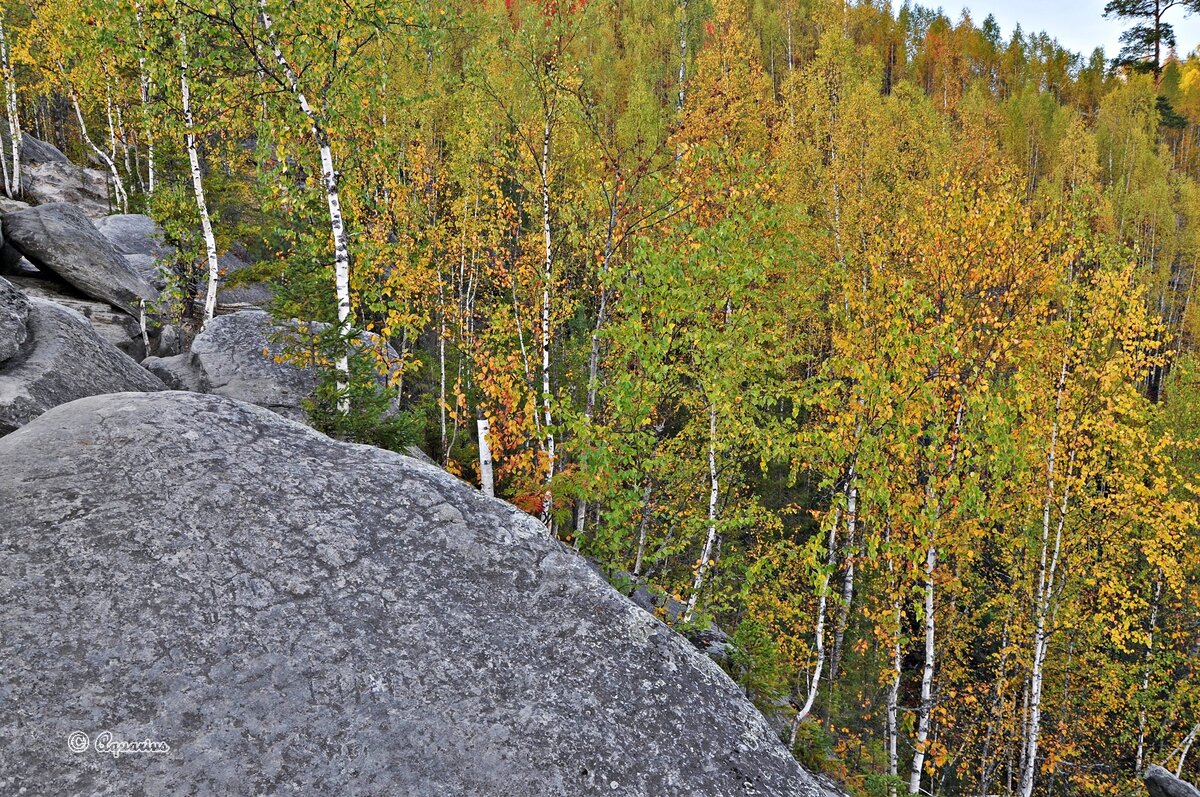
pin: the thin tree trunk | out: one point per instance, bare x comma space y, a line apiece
843, 615
108, 113
1140, 758
1047, 570
925, 710
548, 502
13, 181
644, 520
682, 79
443, 447
118, 186
341, 246
594, 353
210, 241
714, 488
814, 684
985, 767
144, 93
893, 692
485, 458
1184, 747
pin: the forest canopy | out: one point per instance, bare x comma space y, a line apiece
860, 331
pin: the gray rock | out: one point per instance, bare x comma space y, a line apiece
14, 315
62, 359
140, 240
292, 614
13, 262
116, 327
12, 205
47, 183
59, 238
237, 355
177, 372
1161, 783
33, 150
168, 341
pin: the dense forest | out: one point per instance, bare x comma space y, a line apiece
865, 333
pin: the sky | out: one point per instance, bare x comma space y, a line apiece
1078, 25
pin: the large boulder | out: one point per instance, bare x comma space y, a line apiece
1161, 783
267, 610
33, 150
62, 359
60, 238
115, 326
140, 240
240, 355
58, 181
14, 318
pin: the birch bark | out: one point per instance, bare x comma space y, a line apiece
341, 245
13, 180
210, 242
118, 186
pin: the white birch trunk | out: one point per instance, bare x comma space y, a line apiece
14, 126
485, 459
1047, 569
893, 706
814, 684
714, 489
341, 246
548, 278
144, 93
893, 692
210, 241
1140, 758
1184, 747
108, 111
118, 186
644, 520
926, 708
594, 353
683, 10
445, 449
843, 616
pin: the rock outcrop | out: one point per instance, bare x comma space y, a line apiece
1161, 783
240, 356
115, 326
60, 238
33, 150
14, 320
140, 240
292, 614
60, 359
59, 181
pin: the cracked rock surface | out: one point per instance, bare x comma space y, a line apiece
14, 318
61, 358
296, 615
59, 237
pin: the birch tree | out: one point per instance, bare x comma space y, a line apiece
12, 184
329, 179
210, 243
